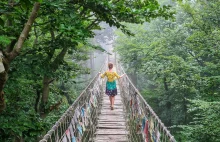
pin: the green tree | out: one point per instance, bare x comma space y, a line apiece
179, 62
40, 57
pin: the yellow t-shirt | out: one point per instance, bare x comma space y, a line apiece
110, 75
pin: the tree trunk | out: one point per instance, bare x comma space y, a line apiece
168, 104
46, 82
4, 66
36, 106
165, 83
8, 57
19, 139
44, 100
45, 95
185, 109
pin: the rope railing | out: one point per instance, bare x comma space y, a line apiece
79, 122
143, 122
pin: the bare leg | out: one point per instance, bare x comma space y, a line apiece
110, 98
113, 101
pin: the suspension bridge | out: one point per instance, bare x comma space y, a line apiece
90, 119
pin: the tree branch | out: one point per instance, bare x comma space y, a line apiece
25, 32
92, 24
58, 59
10, 47
37, 100
198, 61
55, 106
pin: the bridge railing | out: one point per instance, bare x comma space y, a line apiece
78, 123
143, 122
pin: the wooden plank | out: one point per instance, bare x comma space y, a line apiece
115, 105
115, 110
116, 97
110, 117
111, 132
118, 111
111, 138
108, 120
111, 125
114, 113
106, 99
108, 104
107, 140
111, 113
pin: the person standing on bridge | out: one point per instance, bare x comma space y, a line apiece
111, 89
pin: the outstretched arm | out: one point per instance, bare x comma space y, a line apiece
118, 75
122, 75
102, 75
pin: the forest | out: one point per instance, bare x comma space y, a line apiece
51, 49
175, 65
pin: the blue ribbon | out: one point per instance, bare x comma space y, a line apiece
83, 112
143, 123
79, 128
73, 139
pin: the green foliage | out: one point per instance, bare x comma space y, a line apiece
4, 40
205, 126
177, 61
55, 49
20, 119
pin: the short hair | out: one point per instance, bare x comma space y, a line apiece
110, 65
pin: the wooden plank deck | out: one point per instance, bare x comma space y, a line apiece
111, 123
